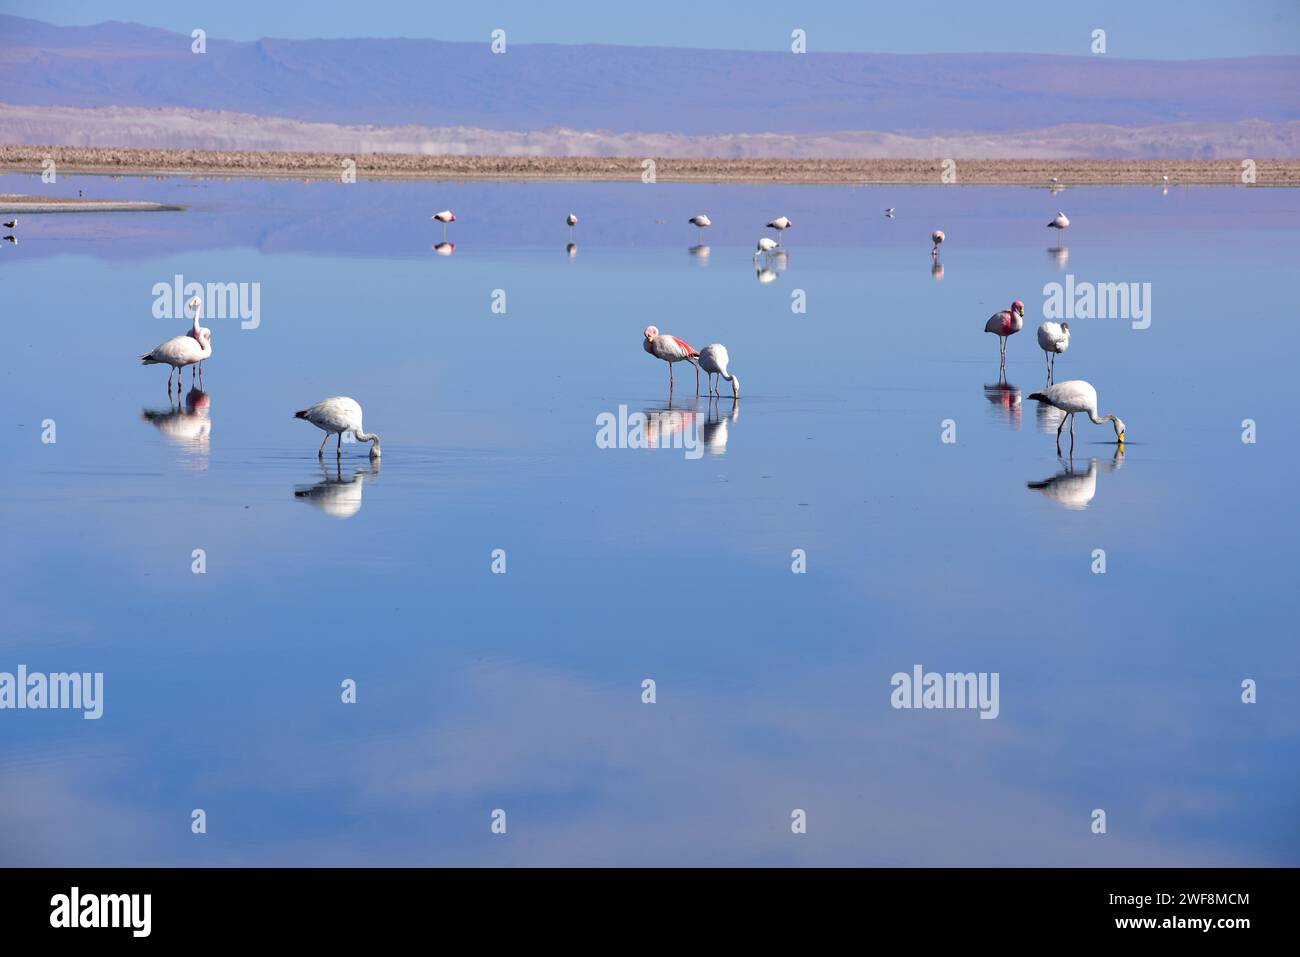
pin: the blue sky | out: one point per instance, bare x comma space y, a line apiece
1159, 29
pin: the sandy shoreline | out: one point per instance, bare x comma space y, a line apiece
18, 203
1028, 172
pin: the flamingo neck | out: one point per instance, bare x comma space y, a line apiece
375, 450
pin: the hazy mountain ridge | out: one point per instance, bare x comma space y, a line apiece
430, 83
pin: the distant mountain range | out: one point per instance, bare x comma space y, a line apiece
460, 97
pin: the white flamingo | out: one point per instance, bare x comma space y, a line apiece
336, 416
1060, 221
780, 224
714, 360
702, 223
197, 332
937, 237
179, 352
1073, 397
765, 247
445, 217
1053, 339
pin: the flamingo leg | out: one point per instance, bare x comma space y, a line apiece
338, 451
697, 377
1071, 433
320, 453
1058, 434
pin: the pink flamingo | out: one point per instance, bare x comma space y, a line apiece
671, 349
1005, 324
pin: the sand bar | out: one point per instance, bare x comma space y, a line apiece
17, 203
1026, 172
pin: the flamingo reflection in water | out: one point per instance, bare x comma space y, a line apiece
1005, 398
187, 425
1072, 488
336, 495
717, 426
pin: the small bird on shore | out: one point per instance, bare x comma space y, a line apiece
12, 224
336, 416
445, 217
1005, 324
1073, 397
1060, 222
937, 237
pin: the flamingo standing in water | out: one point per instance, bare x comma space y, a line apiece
1059, 222
572, 221
1071, 398
701, 222
179, 352
671, 349
937, 237
1053, 339
780, 224
765, 247
336, 416
445, 217
1006, 324
714, 360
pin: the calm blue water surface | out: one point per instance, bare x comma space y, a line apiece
523, 691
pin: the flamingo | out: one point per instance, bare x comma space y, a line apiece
445, 217
336, 416
937, 237
671, 349
1071, 398
765, 247
1053, 339
1060, 222
179, 352
714, 361
780, 224
702, 222
1006, 324
198, 331
572, 221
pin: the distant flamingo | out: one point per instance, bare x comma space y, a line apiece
937, 237
336, 416
445, 217
1005, 324
1071, 398
714, 360
780, 224
702, 222
572, 221
671, 349
765, 247
1053, 339
1060, 222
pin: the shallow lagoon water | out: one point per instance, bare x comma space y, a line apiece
522, 691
